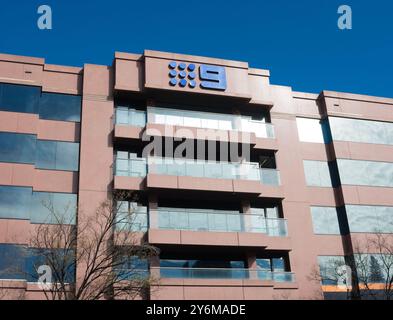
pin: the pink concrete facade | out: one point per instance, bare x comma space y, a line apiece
144, 78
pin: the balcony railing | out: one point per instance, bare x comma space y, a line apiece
223, 273
138, 167
130, 117
216, 221
196, 119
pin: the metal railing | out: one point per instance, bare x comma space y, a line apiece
223, 273
139, 167
195, 119
216, 221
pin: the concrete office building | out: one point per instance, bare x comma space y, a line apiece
319, 172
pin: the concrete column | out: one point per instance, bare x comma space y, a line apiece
246, 211
153, 213
252, 265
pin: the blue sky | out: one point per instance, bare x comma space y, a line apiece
298, 41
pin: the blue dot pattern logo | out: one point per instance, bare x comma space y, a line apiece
182, 74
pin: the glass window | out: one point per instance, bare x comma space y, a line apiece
17, 148
328, 266
12, 261
325, 220
15, 202
53, 208
317, 173
372, 219
57, 155
18, 98
310, 130
367, 173
364, 131
64, 107
131, 216
39, 207
278, 264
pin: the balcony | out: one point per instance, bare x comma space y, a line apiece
216, 221
222, 273
132, 166
127, 117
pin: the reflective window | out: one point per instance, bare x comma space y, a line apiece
45, 154
18, 98
374, 268
53, 208
29, 99
12, 261
210, 120
133, 268
56, 106
21, 262
365, 173
325, 220
328, 266
17, 148
355, 130
38, 207
130, 116
131, 216
15, 202
57, 155
312, 130
317, 173
370, 218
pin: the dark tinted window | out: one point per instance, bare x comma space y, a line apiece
29, 99
18, 148
15, 202
55, 106
17, 98
12, 261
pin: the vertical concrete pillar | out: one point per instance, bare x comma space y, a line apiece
96, 149
252, 265
153, 213
246, 211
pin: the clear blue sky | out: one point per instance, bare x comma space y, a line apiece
298, 41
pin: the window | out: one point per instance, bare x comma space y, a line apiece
129, 116
17, 148
330, 267
313, 130
53, 208
133, 268
15, 202
128, 164
371, 219
64, 107
365, 131
57, 155
18, 98
12, 261
21, 262
38, 207
44, 154
325, 220
365, 173
317, 173
29, 99
131, 216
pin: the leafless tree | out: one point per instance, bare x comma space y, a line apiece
97, 252
370, 268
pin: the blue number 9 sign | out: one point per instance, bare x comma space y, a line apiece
210, 76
